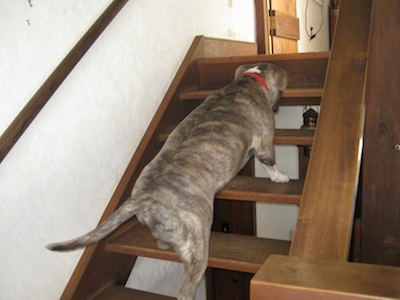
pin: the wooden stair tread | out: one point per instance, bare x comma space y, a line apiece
279, 56
227, 251
281, 277
299, 137
270, 58
118, 292
248, 188
290, 97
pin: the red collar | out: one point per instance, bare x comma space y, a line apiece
258, 78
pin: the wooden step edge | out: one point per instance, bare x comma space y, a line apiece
298, 137
324, 55
303, 92
246, 188
118, 292
302, 96
234, 252
195, 94
281, 277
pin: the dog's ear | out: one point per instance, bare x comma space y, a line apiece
275, 76
241, 69
281, 80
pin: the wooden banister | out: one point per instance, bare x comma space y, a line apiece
327, 206
48, 88
285, 277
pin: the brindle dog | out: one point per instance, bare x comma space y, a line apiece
174, 194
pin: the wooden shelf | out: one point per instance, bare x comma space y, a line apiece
299, 137
227, 251
248, 188
290, 97
118, 292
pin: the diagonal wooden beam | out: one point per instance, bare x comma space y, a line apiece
325, 219
43, 95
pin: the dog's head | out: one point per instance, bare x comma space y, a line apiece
274, 77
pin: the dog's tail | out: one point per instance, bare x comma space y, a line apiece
127, 210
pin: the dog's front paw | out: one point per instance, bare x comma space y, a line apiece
275, 175
280, 178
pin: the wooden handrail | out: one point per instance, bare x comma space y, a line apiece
39, 100
327, 206
286, 277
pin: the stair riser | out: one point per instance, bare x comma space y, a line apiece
308, 72
290, 97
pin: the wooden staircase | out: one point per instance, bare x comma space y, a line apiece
242, 253
209, 64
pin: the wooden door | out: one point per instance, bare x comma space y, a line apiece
277, 26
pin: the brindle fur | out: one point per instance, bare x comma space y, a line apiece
174, 194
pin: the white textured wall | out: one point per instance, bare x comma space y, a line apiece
33, 41
57, 180
316, 15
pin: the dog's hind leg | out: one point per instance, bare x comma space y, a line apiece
194, 271
195, 260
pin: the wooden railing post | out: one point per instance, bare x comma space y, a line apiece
325, 219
